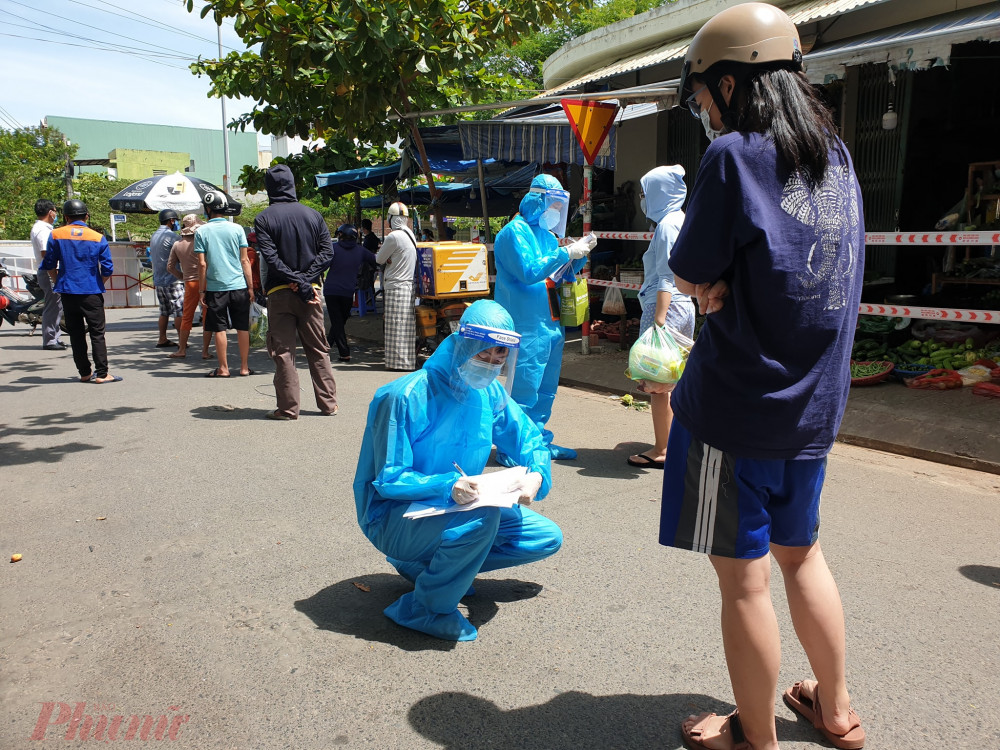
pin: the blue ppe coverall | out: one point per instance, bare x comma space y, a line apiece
418, 427
526, 255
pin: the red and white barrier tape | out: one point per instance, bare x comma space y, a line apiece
932, 313
871, 238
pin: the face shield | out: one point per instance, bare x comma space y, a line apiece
484, 361
555, 210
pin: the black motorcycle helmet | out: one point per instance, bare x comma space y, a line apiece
168, 214
347, 231
74, 209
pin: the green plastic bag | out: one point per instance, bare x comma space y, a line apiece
659, 355
574, 303
258, 326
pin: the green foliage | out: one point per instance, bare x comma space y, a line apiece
341, 67
32, 167
335, 156
522, 59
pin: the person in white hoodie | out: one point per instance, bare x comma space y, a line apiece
398, 254
661, 196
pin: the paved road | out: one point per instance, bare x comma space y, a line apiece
221, 586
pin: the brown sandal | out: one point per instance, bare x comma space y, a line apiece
808, 707
692, 736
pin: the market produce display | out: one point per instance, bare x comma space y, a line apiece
869, 373
939, 380
917, 352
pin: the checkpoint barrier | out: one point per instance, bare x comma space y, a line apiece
872, 238
125, 288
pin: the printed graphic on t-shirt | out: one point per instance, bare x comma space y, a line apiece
831, 208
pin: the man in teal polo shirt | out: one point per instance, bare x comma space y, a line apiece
226, 281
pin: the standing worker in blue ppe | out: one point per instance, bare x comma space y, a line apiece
420, 429
527, 253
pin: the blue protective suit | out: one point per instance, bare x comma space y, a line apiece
525, 256
417, 427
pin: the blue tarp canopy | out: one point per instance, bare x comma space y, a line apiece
505, 185
337, 184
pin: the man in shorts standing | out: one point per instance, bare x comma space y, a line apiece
169, 290
226, 281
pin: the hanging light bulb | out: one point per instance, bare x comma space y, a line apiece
890, 119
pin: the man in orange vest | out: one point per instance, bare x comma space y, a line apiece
78, 261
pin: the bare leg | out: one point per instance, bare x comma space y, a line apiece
818, 616
182, 343
220, 352
752, 644
243, 343
162, 325
206, 341
663, 416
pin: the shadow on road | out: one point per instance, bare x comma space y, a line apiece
345, 608
14, 454
988, 575
225, 412
570, 721
610, 463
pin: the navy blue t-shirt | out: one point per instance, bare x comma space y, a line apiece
769, 374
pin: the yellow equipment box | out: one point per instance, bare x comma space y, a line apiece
452, 269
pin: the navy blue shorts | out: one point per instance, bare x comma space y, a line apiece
722, 505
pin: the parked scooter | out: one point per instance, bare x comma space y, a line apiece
15, 306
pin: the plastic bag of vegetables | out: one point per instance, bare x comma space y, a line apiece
659, 355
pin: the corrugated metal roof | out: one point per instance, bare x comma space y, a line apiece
800, 13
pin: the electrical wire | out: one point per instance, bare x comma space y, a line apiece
138, 18
88, 46
8, 118
74, 35
104, 46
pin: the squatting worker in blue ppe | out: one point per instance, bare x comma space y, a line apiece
773, 249
419, 428
527, 253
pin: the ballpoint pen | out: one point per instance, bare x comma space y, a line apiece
459, 469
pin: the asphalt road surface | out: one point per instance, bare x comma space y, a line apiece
187, 560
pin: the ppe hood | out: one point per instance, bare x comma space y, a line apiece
665, 191
280, 184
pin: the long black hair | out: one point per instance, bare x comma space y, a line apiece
784, 106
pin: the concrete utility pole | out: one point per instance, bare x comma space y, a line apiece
225, 130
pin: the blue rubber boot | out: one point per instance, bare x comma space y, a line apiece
409, 613
562, 454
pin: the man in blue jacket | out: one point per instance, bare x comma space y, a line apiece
78, 261
295, 244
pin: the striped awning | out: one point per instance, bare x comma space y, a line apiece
675, 49
912, 47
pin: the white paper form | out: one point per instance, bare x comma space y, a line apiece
493, 493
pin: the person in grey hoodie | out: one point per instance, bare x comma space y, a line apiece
295, 245
662, 192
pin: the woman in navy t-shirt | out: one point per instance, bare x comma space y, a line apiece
773, 250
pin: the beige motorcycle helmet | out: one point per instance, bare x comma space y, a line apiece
735, 42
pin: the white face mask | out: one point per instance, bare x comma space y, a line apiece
706, 122
549, 219
642, 206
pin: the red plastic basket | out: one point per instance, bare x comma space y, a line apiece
878, 377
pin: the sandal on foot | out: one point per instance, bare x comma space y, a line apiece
731, 726
166, 344
108, 379
247, 373
808, 707
216, 374
643, 461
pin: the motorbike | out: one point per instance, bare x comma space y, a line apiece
16, 306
